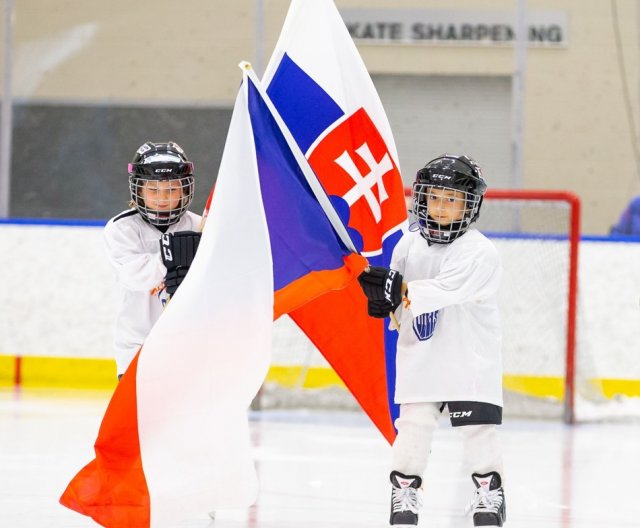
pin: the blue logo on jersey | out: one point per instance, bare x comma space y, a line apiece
425, 324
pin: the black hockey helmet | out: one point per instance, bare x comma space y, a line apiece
156, 162
454, 173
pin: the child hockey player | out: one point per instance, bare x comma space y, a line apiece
151, 245
448, 352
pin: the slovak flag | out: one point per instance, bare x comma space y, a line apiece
321, 88
174, 441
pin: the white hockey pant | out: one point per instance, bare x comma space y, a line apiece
412, 447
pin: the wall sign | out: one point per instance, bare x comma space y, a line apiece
453, 27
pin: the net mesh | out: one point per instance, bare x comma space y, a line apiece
532, 238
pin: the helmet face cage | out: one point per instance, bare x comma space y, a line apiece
165, 213
161, 173
442, 214
446, 198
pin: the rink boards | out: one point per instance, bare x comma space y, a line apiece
56, 321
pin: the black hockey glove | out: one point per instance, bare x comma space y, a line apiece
382, 284
379, 309
174, 278
179, 249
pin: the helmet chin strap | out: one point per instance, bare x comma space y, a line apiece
438, 234
161, 214
446, 234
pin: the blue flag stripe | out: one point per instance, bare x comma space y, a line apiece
305, 107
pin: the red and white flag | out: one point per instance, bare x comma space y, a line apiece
174, 442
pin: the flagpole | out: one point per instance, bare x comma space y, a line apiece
310, 176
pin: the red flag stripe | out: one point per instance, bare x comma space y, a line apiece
112, 489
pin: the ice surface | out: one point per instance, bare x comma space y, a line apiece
330, 469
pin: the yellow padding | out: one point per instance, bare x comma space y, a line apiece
307, 378
87, 373
620, 387
7, 371
537, 386
553, 387
80, 373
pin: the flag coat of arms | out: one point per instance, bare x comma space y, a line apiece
321, 88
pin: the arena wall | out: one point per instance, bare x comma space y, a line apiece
92, 83
60, 300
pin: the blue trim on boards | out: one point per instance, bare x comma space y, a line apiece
554, 236
624, 239
82, 222
524, 236
73, 222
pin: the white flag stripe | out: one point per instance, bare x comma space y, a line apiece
209, 352
335, 65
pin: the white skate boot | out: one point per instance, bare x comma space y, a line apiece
406, 499
488, 505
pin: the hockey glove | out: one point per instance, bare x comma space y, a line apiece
379, 309
382, 284
179, 249
174, 278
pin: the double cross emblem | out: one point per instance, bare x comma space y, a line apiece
364, 184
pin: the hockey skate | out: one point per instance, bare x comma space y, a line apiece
488, 505
406, 499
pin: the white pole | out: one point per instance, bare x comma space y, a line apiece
6, 113
517, 94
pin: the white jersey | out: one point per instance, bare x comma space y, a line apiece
449, 347
133, 249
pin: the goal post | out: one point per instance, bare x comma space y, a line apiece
566, 230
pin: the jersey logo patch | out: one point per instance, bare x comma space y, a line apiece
425, 324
